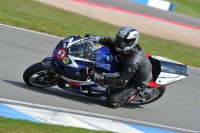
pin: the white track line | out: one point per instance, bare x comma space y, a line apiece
96, 115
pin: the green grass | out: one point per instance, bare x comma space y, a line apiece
173, 50
33, 15
44, 18
8, 125
188, 7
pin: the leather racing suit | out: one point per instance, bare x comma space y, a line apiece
137, 72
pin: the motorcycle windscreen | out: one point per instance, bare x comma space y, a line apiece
71, 56
81, 49
105, 60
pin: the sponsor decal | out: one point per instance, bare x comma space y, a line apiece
64, 45
61, 53
66, 60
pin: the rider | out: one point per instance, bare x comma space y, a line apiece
137, 70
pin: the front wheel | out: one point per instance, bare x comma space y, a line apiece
37, 76
151, 95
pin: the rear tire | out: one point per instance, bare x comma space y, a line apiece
29, 78
160, 92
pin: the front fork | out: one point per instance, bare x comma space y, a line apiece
48, 65
51, 68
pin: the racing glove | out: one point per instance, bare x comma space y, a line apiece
93, 36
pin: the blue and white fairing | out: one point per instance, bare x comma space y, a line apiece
70, 55
105, 60
74, 53
169, 71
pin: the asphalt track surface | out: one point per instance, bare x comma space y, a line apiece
143, 9
179, 107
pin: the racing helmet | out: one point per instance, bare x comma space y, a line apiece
126, 38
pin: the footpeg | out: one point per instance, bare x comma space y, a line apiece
142, 96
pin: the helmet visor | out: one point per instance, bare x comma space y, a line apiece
122, 43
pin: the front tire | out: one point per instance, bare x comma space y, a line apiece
37, 76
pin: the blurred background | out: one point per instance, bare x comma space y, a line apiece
169, 28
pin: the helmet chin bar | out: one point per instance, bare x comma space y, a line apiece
127, 52
124, 49
118, 49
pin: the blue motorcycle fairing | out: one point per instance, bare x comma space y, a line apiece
65, 69
64, 41
105, 60
79, 53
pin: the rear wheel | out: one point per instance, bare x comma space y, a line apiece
37, 76
151, 95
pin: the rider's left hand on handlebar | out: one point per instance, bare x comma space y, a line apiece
96, 37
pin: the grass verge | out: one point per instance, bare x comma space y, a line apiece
8, 125
36, 16
188, 7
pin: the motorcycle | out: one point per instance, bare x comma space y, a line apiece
75, 59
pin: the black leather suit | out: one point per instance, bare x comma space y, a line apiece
137, 72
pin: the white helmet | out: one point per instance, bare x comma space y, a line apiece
126, 38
